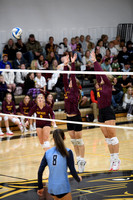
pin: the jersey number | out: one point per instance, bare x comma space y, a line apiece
54, 159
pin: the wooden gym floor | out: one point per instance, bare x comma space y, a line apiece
20, 157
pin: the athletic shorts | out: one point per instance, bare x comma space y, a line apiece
106, 114
41, 123
60, 195
74, 127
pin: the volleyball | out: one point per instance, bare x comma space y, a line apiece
17, 32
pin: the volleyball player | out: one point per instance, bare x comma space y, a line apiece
24, 108
43, 127
8, 107
57, 159
71, 99
106, 114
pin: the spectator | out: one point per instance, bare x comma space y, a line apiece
54, 65
113, 50
83, 43
40, 82
18, 60
3, 88
88, 42
50, 57
123, 56
117, 43
20, 46
79, 49
106, 65
129, 46
108, 55
86, 60
9, 78
93, 102
117, 94
33, 47
50, 47
101, 47
115, 65
42, 63
104, 38
20, 77
4, 62
126, 67
10, 49
64, 48
98, 55
127, 99
29, 82
73, 45
124, 82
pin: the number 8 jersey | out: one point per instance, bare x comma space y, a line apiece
58, 181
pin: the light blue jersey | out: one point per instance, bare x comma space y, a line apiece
58, 180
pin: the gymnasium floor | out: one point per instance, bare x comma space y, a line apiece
20, 158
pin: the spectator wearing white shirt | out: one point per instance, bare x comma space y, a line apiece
20, 76
102, 48
113, 50
9, 78
64, 48
40, 82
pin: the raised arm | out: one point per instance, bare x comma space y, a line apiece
73, 77
97, 67
65, 79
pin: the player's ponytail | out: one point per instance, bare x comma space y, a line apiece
59, 137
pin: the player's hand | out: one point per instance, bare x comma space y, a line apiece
66, 60
80, 178
40, 192
74, 58
93, 57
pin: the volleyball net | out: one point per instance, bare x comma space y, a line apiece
86, 87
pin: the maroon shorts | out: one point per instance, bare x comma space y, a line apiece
41, 123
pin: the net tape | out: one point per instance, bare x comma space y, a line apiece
71, 122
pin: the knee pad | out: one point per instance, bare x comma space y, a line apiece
0, 118
5, 118
114, 140
14, 120
80, 142
74, 142
46, 144
108, 140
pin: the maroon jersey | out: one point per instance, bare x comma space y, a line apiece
45, 112
50, 104
8, 107
71, 95
24, 109
104, 92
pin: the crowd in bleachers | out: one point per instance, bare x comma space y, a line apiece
116, 55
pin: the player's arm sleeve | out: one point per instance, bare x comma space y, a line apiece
65, 80
51, 113
40, 172
21, 108
74, 84
32, 111
97, 67
4, 108
70, 163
